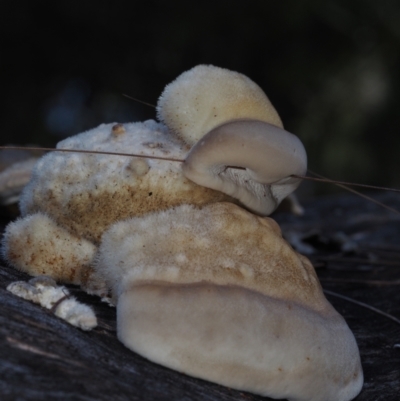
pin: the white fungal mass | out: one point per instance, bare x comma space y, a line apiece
201, 284
43, 290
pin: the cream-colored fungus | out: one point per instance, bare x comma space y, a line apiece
201, 284
217, 293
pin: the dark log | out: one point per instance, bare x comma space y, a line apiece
356, 249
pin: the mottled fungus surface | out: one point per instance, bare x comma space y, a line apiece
215, 292
201, 285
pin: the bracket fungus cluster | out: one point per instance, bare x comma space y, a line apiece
203, 282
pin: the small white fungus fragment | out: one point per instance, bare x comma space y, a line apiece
44, 291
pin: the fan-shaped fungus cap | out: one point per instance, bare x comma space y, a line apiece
266, 155
217, 293
230, 122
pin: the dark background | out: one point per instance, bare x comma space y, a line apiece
331, 68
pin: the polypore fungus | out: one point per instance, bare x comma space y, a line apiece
36, 242
81, 195
73, 198
215, 292
201, 285
238, 144
85, 193
206, 96
267, 155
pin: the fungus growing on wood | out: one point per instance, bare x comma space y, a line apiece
267, 155
38, 246
201, 285
230, 122
216, 293
44, 291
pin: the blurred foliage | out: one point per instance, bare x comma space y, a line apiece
330, 68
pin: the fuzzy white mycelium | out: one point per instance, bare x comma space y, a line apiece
201, 285
43, 290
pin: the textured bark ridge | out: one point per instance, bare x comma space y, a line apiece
355, 248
